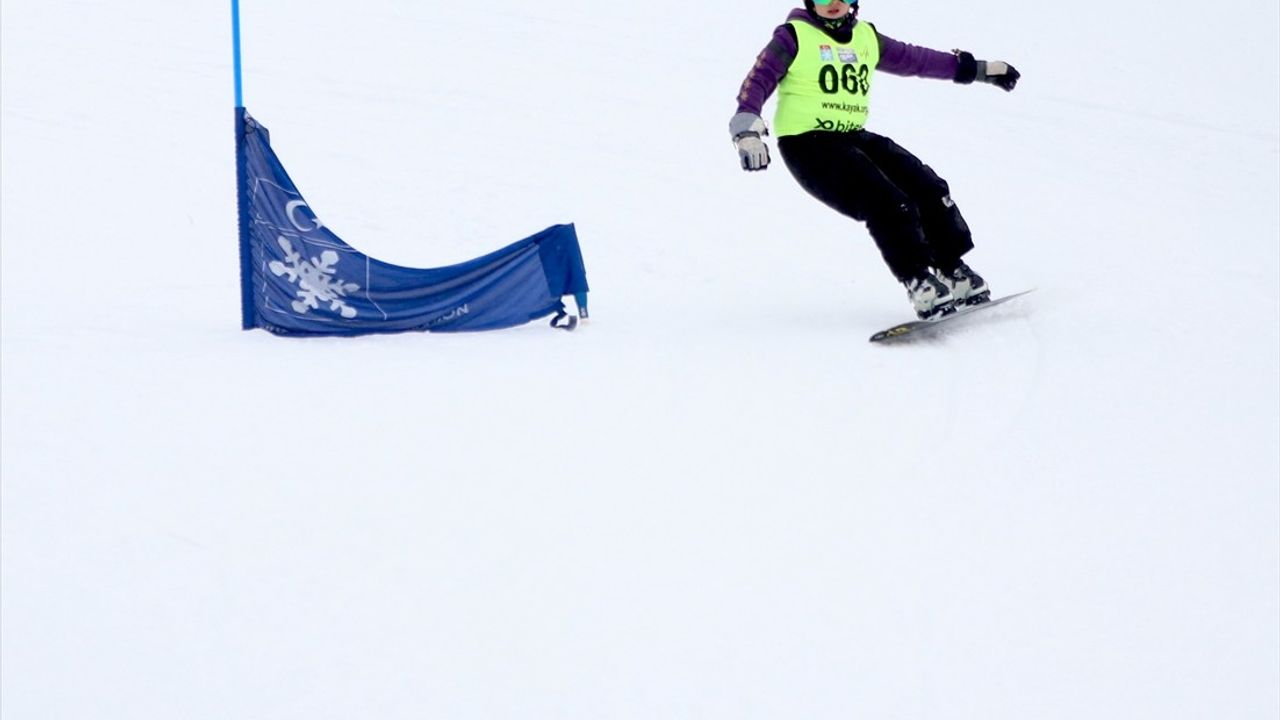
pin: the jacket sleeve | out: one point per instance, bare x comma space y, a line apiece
771, 65
899, 58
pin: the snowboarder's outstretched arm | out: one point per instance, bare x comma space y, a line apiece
905, 59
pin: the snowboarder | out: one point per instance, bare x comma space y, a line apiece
821, 63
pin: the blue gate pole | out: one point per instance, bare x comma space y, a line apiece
235, 49
247, 311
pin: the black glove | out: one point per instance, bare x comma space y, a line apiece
996, 72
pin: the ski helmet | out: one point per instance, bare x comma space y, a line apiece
811, 4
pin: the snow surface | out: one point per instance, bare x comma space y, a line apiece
717, 500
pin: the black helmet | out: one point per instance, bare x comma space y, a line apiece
839, 22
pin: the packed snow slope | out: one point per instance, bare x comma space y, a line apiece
717, 500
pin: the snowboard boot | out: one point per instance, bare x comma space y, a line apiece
967, 287
929, 296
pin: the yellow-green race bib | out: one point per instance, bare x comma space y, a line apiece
828, 85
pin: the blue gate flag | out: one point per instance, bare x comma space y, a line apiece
298, 278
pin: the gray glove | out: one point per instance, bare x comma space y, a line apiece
746, 129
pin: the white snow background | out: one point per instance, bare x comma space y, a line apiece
717, 499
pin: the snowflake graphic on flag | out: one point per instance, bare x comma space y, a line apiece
315, 279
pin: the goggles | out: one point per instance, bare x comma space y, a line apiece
825, 3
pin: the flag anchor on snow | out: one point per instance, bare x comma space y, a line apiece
565, 321
298, 278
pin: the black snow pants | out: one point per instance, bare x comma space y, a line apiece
870, 178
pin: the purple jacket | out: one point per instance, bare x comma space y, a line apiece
896, 58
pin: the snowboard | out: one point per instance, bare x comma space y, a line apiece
916, 328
